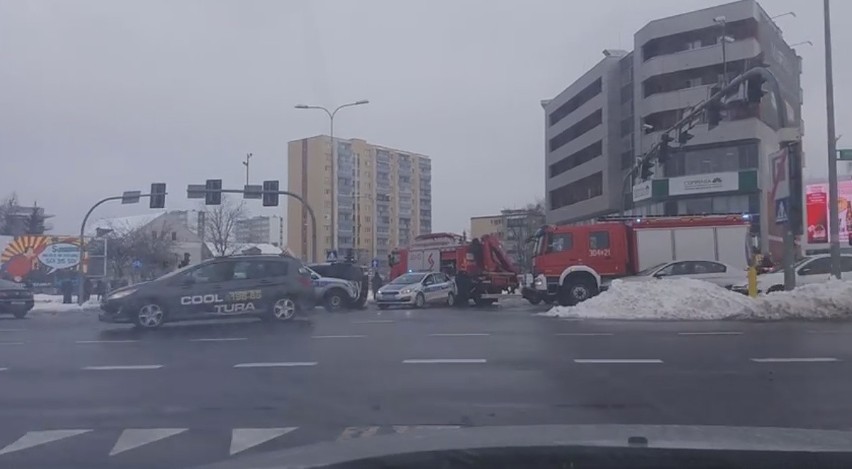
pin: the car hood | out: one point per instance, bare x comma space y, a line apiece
533, 436
397, 287
129, 287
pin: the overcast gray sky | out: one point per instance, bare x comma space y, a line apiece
97, 97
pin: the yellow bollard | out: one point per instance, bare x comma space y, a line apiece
752, 281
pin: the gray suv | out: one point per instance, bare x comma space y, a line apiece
275, 287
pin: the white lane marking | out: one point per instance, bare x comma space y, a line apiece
273, 364
461, 334
795, 360
406, 428
617, 360
12, 330
219, 339
122, 367
245, 438
351, 433
135, 437
11, 343
128, 341
712, 333
584, 334
828, 332
374, 321
338, 337
444, 360
3, 369
31, 439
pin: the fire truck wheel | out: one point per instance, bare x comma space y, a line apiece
574, 292
535, 300
419, 301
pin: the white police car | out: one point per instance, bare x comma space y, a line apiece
417, 289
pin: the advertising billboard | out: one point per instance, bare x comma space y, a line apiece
41, 260
816, 211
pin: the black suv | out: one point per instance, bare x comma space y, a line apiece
347, 271
276, 287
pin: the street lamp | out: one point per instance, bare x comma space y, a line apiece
801, 43
331, 114
722, 21
789, 13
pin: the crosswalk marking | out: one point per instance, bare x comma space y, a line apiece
31, 439
351, 433
245, 438
136, 437
122, 367
273, 364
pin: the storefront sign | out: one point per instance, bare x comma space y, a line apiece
642, 191
704, 183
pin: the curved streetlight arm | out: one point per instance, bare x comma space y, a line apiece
83, 245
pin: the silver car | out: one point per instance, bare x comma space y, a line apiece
333, 293
417, 289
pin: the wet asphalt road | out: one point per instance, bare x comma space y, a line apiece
77, 393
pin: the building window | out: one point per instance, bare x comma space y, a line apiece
586, 124
577, 191
174, 236
576, 159
718, 159
578, 100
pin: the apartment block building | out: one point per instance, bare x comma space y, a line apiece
260, 230
582, 143
674, 64
368, 201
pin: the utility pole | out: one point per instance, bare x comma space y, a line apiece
246, 163
833, 222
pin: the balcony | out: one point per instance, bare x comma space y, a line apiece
698, 58
673, 100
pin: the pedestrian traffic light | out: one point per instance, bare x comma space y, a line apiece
645, 170
213, 192
157, 199
270, 193
754, 89
713, 109
664, 150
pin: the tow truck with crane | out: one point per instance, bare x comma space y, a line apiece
481, 267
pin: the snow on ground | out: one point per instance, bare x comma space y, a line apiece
695, 299
53, 304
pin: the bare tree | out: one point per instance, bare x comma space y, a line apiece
7, 207
220, 224
36, 221
519, 226
151, 246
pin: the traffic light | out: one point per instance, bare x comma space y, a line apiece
683, 137
213, 192
157, 198
754, 89
664, 150
270, 193
713, 109
645, 170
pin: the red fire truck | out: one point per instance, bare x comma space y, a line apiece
573, 263
481, 267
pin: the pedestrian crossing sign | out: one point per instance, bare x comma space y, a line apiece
782, 207
331, 255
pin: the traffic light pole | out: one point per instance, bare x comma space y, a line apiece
304, 203
80, 266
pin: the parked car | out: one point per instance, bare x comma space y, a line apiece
418, 289
721, 274
334, 293
15, 299
346, 271
810, 269
275, 287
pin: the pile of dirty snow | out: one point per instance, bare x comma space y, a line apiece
53, 304
695, 299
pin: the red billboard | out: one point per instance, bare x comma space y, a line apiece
816, 210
